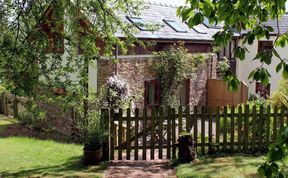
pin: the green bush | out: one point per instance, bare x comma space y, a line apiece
280, 96
33, 117
278, 152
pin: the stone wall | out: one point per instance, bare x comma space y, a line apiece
136, 70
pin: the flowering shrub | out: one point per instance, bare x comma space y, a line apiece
117, 91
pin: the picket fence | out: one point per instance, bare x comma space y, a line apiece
153, 131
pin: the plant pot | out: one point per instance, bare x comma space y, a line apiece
92, 157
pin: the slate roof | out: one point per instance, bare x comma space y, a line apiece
155, 13
283, 25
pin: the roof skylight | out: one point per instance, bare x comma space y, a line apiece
208, 25
175, 25
138, 22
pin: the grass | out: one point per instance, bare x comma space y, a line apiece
29, 157
236, 166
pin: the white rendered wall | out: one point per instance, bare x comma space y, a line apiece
244, 68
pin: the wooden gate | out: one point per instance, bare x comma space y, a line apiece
150, 134
153, 133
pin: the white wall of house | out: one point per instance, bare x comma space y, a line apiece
244, 68
93, 78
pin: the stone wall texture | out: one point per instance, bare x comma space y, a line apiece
138, 69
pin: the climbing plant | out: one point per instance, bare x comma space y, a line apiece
172, 67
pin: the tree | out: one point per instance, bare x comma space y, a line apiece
29, 27
241, 15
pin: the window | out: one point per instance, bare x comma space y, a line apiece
262, 90
208, 25
152, 93
175, 25
185, 92
265, 46
199, 30
138, 22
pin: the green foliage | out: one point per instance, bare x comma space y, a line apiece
28, 69
238, 16
278, 152
96, 134
33, 117
280, 96
223, 66
172, 67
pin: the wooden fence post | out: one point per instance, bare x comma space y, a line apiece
2, 103
188, 122
152, 142
203, 114
261, 126
136, 133
15, 107
218, 128
232, 131
128, 134
168, 132
239, 122
6, 105
254, 116
105, 121
173, 133
144, 133
195, 123
246, 127
120, 135
225, 129
160, 156
210, 129
111, 134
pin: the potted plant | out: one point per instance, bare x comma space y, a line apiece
95, 137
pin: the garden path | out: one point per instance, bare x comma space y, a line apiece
140, 169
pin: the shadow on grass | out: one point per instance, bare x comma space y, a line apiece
239, 165
74, 167
12, 128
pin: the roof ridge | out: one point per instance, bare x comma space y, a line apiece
160, 4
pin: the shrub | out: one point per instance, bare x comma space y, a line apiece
280, 96
95, 132
277, 152
33, 117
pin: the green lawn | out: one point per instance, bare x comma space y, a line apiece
29, 157
221, 167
